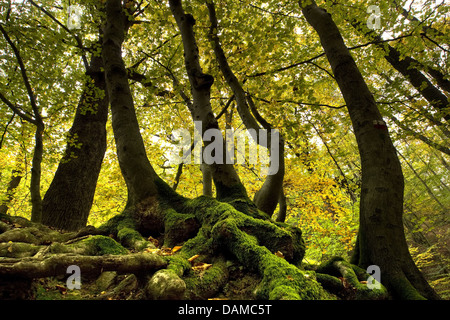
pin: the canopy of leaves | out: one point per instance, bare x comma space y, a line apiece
278, 58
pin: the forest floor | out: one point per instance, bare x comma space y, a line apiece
23, 242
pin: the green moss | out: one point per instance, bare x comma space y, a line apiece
338, 267
18, 249
227, 193
132, 238
328, 267
179, 227
178, 263
253, 239
205, 284
404, 290
280, 279
284, 293
124, 226
101, 245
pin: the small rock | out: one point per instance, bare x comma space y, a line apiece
126, 286
165, 285
106, 280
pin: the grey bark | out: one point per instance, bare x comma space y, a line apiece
136, 169
267, 198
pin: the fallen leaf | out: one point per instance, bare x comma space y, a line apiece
279, 254
151, 250
202, 267
166, 251
154, 241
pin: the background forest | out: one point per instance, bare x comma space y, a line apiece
278, 59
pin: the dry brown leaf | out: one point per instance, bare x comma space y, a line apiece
202, 267
154, 241
166, 251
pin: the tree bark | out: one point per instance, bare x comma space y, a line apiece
381, 239
407, 67
267, 197
35, 181
57, 264
16, 176
68, 200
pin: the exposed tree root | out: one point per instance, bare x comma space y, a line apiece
225, 236
57, 264
348, 281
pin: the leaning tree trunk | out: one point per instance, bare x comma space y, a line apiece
381, 239
16, 177
146, 190
409, 68
226, 180
68, 200
136, 169
267, 197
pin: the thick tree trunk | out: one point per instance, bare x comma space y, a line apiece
206, 179
146, 190
136, 169
68, 200
381, 238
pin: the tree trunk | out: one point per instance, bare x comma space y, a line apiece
35, 181
407, 67
68, 200
226, 180
267, 197
136, 169
16, 176
381, 239
206, 179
